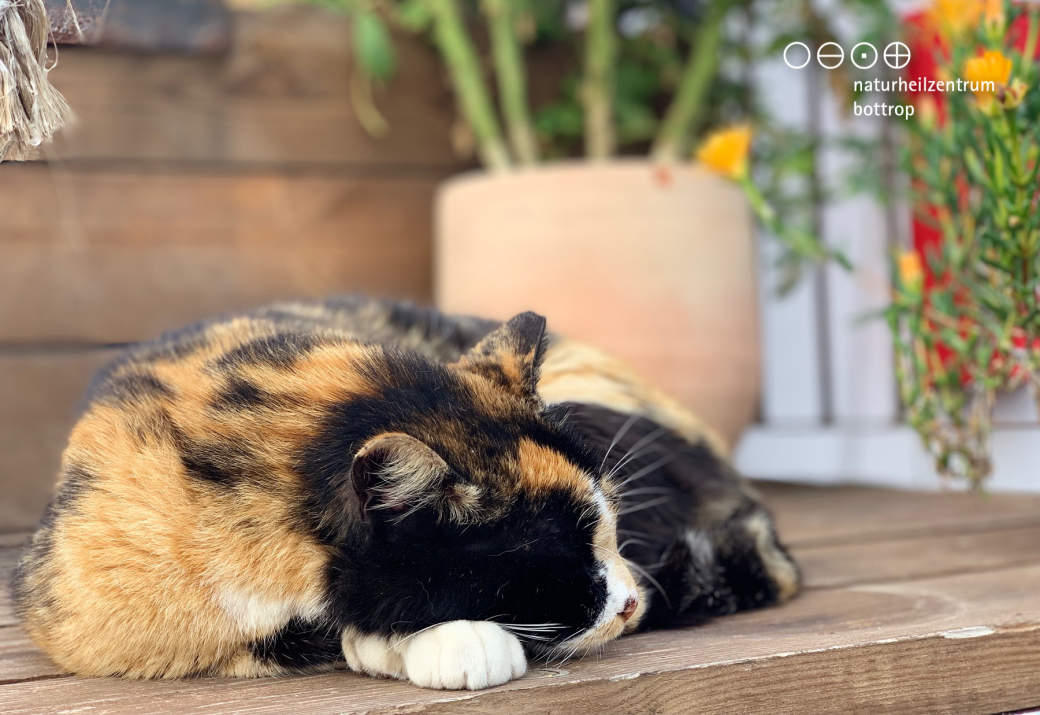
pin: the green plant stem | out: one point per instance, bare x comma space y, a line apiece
459, 55
511, 76
687, 107
597, 93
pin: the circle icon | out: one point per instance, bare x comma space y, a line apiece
863, 52
808, 55
834, 57
897, 55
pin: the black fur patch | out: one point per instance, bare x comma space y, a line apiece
135, 387
241, 394
455, 333
666, 483
218, 463
300, 645
280, 350
535, 565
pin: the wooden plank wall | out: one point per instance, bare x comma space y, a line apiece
194, 185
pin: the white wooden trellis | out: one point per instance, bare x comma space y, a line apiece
830, 412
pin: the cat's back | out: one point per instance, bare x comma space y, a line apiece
178, 491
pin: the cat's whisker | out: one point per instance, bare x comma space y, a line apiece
649, 504
636, 450
617, 438
626, 542
650, 490
668, 458
421, 630
646, 574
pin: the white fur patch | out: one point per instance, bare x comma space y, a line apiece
463, 655
606, 514
371, 654
702, 548
620, 586
618, 592
777, 564
255, 613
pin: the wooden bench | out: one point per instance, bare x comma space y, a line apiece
914, 603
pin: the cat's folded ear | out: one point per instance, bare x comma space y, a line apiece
512, 355
394, 474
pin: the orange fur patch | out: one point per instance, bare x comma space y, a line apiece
543, 469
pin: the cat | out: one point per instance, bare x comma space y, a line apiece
416, 495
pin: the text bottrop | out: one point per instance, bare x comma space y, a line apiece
880, 109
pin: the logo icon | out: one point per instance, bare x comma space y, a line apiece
830, 55
797, 55
864, 55
897, 55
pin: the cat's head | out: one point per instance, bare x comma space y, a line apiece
467, 500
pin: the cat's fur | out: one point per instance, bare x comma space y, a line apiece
418, 495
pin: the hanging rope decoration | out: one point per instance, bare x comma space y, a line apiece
31, 110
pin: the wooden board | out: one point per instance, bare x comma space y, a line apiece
953, 645
811, 516
39, 394
119, 255
281, 96
964, 643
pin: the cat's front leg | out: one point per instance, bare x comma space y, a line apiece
463, 655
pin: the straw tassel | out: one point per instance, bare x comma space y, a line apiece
31, 110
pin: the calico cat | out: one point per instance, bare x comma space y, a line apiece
420, 496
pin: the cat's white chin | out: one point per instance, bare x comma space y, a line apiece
458, 655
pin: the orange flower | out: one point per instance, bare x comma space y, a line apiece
955, 17
988, 74
726, 151
911, 273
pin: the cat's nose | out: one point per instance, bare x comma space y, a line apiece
629, 609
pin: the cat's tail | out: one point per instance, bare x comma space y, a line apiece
734, 566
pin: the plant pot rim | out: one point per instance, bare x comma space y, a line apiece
618, 165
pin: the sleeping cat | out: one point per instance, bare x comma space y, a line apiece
420, 496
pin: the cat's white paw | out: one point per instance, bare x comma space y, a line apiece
464, 655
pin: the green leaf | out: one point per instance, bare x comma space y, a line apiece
413, 15
373, 49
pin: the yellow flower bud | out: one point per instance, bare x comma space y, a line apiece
726, 151
927, 112
911, 272
1011, 96
993, 18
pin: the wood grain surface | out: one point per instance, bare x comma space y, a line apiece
281, 96
119, 255
876, 632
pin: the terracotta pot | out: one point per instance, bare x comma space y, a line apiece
654, 266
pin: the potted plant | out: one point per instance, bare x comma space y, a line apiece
651, 256
965, 313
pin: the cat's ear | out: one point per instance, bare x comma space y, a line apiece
512, 355
394, 474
